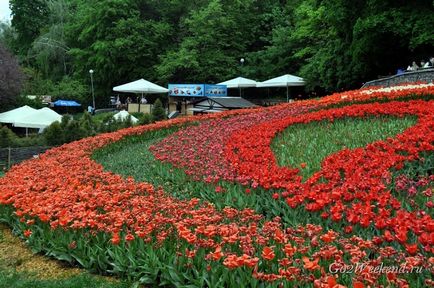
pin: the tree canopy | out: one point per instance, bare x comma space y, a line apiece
333, 44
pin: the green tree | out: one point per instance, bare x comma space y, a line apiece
54, 134
70, 88
88, 124
28, 18
116, 41
50, 50
212, 46
8, 35
7, 137
158, 112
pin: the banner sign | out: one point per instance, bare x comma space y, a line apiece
187, 90
197, 90
216, 90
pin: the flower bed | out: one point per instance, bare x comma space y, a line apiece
66, 205
199, 150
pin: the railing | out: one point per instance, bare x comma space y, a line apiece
10, 156
423, 75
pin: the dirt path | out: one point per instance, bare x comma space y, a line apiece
16, 256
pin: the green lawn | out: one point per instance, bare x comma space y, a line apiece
10, 279
310, 143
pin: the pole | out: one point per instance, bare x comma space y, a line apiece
287, 93
93, 93
240, 91
9, 158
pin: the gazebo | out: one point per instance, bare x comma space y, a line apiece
286, 80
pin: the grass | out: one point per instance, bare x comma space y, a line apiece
310, 143
84, 280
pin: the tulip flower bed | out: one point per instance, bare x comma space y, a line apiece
349, 223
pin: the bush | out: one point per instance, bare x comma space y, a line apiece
88, 124
70, 89
146, 119
7, 137
54, 134
158, 112
69, 130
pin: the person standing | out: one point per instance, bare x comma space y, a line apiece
413, 67
431, 62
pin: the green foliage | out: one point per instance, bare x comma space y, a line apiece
69, 88
311, 143
7, 35
28, 19
88, 124
158, 112
146, 119
54, 134
32, 102
333, 44
50, 49
23, 280
7, 137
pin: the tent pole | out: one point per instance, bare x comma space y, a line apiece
240, 91
287, 93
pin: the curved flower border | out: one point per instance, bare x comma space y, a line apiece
64, 189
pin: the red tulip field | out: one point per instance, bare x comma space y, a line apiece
329, 192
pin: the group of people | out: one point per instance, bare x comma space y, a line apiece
120, 105
423, 65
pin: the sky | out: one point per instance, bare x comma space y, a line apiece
5, 12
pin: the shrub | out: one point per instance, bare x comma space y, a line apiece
88, 124
146, 119
54, 134
7, 137
158, 112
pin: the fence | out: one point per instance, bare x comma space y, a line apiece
11, 156
423, 75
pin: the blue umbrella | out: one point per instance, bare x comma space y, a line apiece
66, 103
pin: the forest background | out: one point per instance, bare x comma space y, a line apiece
334, 44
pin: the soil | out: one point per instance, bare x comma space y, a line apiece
16, 256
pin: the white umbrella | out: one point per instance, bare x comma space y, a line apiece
239, 82
283, 81
140, 86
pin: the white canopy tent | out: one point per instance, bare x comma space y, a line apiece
286, 80
239, 82
11, 116
141, 87
123, 115
40, 119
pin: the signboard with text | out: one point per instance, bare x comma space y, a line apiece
197, 90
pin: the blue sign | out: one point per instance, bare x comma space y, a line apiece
216, 90
187, 90
197, 90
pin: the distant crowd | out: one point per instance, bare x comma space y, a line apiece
423, 65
